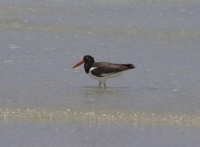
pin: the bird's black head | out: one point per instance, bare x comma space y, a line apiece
89, 60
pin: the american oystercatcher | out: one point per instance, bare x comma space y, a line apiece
102, 71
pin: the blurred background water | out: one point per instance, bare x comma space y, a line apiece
43, 102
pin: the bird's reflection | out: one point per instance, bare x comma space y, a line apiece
96, 94
100, 91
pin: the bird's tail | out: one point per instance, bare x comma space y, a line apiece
129, 66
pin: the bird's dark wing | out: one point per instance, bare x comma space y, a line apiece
100, 69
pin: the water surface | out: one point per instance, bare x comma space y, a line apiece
44, 102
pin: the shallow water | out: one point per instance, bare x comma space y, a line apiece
44, 101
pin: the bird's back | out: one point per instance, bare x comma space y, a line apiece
100, 68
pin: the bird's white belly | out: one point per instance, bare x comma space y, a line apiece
105, 76
94, 77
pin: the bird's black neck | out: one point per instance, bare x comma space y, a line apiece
88, 64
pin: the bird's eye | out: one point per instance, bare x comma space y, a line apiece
86, 57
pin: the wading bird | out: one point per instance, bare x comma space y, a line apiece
102, 71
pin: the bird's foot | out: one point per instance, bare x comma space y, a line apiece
104, 86
99, 84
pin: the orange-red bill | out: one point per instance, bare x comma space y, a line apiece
79, 63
